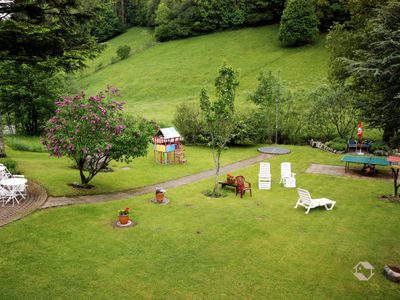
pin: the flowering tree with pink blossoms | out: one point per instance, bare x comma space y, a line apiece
92, 131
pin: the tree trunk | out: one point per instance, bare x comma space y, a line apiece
217, 167
388, 133
81, 165
2, 148
395, 177
121, 7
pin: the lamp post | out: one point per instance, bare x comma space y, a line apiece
276, 120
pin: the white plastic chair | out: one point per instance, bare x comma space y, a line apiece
8, 195
4, 174
264, 177
307, 202
287, 177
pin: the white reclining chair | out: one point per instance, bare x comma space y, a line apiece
264, 177
287, 177
307, 202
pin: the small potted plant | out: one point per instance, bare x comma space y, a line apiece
123, 216
160, 195
230, 178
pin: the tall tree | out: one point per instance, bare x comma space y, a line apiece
47, 37
373, 69
219, 115
299, 23
50, 33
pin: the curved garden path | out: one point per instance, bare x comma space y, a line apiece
61, 201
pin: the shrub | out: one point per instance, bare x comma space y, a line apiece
299, 23
114, 59
190, 124
379, 148
338, 146
11, 165
99, 66
123, 51
22, 143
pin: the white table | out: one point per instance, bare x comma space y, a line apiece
12, 188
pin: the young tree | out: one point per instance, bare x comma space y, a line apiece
268, 92
299, 23
92, 131
219, 114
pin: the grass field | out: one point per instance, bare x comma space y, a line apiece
202, 248
54, 174
158, 76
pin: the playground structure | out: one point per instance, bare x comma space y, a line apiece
168, 148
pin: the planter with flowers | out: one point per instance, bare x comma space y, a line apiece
123, 216
230, 179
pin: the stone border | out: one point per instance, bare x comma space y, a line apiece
165, 201
131, 223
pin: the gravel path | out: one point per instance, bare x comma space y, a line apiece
61, 201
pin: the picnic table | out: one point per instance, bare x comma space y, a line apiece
225, 183
369, 162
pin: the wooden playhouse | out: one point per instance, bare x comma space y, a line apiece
168, 147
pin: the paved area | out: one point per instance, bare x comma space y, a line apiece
36, 197
340, 171
61, 201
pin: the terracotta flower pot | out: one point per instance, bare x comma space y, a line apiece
123, 219
160, 197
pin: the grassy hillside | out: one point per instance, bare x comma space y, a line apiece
160, 75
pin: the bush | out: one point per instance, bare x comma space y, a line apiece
190, 124
99, 67
114, 60
11, 165
123, 51
338, 146
379, 148
22, 143
299, 23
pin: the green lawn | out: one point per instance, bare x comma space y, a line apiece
197, 247
155, 79
54, 174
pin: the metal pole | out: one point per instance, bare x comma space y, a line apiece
276, 121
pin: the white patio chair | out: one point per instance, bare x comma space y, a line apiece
307, 202
4, 174
8, 195
287, 177
264, 177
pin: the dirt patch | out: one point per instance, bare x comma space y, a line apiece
390, 198
79, 186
